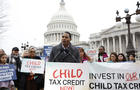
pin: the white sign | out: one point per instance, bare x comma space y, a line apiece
32, 65
66, 76
92, 76
114, 76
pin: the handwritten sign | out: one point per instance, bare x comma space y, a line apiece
7, 72
32, 65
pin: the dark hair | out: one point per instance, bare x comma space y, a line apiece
132, 55
1, 56
15, 49
115, 54
2, 50
85, 55
102, 47
124, 58
68, 33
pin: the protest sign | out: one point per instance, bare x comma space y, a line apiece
32, 65
66, 76
7, 72
114, 76
98, 76
92, 53
47, 50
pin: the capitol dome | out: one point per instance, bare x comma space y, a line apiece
60, 22
62, 15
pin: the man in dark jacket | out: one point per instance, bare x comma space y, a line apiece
14, 58
65, 52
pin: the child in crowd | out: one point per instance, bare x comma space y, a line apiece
5, 85
83, 56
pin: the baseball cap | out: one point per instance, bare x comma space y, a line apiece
15, 49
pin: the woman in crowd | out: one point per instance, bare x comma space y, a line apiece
31, 81
5, 85
121, 57
102, 55
83, 56
113, 58
25, 54
131, 58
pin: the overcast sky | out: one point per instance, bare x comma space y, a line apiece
29, 18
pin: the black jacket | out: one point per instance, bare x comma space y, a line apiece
59, 54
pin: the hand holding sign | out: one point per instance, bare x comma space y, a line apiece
32, 65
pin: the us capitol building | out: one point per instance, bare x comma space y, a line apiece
115, 38
62, 21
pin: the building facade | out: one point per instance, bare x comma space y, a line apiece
60, 22
115, 39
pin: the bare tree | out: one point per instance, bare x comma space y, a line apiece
4, 9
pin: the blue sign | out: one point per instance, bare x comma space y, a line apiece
47, 50
7, 72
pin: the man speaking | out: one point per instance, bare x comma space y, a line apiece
65, 52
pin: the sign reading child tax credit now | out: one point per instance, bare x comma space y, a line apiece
32, 65
7, 72
92, 76
66, 76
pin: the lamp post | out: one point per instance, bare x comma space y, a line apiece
130, 48
25, 45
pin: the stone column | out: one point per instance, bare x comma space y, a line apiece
95, 44
60, 37
74, 38
108, 45
102, 42
134, 40
114, 48
57, 37
54, 37
50, 37
120, 44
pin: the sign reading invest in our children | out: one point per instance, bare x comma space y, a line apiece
7, 72
114, 76
32, 65
66, 76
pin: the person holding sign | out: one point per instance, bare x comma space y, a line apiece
32, 81
102, 55
65, 52
5, 85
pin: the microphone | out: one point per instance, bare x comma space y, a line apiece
68, 52
61, 50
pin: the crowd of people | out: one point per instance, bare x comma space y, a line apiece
64, 52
